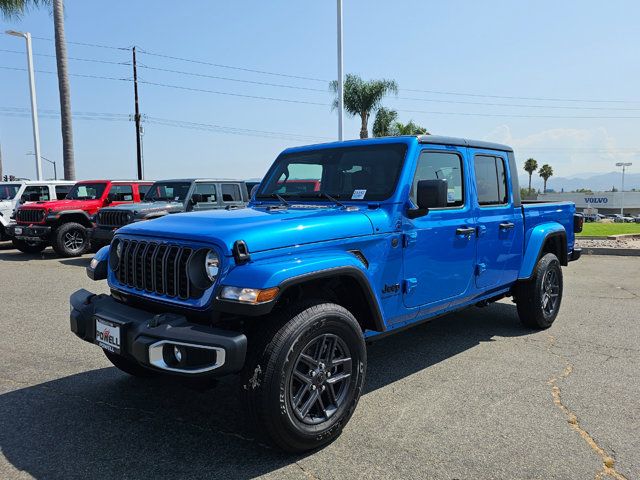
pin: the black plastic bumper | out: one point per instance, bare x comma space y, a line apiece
31, 233
102, 235
575, 255
140, 330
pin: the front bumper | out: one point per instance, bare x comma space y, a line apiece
32, 233
148, 338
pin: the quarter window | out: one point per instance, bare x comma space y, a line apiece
441, 166
231, 192
491, 180
36, 193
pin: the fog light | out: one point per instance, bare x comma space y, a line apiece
177, 352
94, 263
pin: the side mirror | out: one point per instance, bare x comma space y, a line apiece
430, 194
110, 199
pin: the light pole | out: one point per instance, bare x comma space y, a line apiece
52, 162
34, 106
624, 166
340, 75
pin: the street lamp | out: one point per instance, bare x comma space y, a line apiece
52, 162
624, 166
34, 106
340, 76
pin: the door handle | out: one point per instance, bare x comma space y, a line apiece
506, 226
467, 231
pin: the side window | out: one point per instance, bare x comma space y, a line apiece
439, 166
143, 189
491, 180
207, 192
36, 193
231, 193
121, 193
62, 190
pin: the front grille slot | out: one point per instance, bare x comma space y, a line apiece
162, 269
30, 215
112, 218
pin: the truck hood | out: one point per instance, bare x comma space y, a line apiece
144, 208
60, 205
261, 229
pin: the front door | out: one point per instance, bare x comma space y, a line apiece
440, 250
498, 226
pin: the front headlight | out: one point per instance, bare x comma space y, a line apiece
115, 254
212, 265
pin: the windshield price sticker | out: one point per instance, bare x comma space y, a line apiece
358, 194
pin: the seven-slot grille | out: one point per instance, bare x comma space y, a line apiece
112, 218
30, 215
156, 268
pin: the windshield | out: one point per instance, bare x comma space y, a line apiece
8, 192
348, 173
168, 192
86, 191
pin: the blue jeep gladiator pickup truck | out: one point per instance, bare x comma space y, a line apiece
286, 292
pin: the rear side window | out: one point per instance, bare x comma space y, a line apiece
62, 190
231, 192
441, 166
143, 189
121, 193
207, 193
491, 180
36, 193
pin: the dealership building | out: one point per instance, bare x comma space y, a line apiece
604, 202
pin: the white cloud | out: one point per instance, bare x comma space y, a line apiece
572, 152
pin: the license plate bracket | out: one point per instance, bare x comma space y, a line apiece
108, 334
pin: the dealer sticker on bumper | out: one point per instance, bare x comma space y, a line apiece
108, 335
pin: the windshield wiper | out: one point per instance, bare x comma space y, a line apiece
277, 196
325, 195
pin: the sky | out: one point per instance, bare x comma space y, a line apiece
556, 80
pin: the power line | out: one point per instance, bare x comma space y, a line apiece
93, 60
81, 75
83, 44
515, 115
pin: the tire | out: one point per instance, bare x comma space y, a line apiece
71, 240
280, 402
538, 299
128, 366
26, 247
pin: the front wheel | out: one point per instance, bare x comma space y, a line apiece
303, 380
539, 298
71, 240
28, 247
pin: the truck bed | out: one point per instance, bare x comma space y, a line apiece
536, 212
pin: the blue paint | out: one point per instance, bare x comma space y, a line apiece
436, 269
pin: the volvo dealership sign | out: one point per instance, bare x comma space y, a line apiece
599, 200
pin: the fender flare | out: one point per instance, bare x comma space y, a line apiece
58, 215
535, 244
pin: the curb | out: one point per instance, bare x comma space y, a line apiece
623, 252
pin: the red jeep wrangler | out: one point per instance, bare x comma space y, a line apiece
63, 224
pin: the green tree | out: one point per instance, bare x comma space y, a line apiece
545, 172
14, 9
408, 128
530, 166
382, 125
362, 97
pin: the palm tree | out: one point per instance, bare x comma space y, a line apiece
361, 97
383, 123
15, 9
409, 128
545, 172
530, 166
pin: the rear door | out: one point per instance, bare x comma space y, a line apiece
499, 223
231, 194
440, 250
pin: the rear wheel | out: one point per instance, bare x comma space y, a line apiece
128, 366
71, 240
28, 247
304, 378
539, 298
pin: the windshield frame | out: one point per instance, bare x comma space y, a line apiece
319, 195
10, 185
166, 183
77, 186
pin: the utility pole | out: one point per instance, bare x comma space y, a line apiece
137, 118
624, 165
340, 76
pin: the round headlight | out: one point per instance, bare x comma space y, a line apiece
212, 265
119, 250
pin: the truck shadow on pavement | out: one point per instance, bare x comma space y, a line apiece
102, 423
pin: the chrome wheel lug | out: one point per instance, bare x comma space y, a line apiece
324, 387
313, 387
312, 373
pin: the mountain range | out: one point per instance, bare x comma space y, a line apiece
597, 182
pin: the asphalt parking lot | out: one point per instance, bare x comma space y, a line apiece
468, 396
